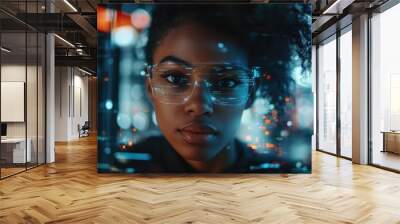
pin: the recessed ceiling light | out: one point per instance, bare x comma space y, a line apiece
70, 5
65, 41
5, 50
84, 71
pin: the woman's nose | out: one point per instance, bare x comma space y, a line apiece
200, 101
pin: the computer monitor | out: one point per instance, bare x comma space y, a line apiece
3, 129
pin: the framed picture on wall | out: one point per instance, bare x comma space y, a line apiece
12, 101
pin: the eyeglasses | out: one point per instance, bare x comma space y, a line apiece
227, 84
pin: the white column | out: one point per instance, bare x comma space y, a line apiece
50, 92
360, 90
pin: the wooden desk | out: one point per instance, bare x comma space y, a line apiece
17, 148
391, 141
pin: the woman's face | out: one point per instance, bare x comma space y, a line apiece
198, 129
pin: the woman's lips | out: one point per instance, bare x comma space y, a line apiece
201, 134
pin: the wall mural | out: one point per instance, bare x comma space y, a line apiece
220, 88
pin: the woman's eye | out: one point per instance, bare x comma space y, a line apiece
176, 79
227, 83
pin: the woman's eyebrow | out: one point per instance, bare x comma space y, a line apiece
174, 59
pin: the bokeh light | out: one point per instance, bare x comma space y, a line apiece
261, 106
132, 156
137, 92
104, 18
140, 19
123, 120
140, 121
107, 150
124, 36
109, 104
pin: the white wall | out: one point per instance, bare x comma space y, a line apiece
16, 73
80, 94
71, 93
61, 103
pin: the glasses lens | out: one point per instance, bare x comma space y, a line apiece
227, 85
171, 82
230, 85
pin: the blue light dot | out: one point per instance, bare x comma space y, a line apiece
107, 150
103, 166
130, 170
221, 45
123, 156
298, 164
109, 105
142, 73
123, 120
289, 123
284, 133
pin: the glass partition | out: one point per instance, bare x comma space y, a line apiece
31, 100
14, 145
41, 107
327, 96
22, 88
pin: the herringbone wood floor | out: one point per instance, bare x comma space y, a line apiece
70, 191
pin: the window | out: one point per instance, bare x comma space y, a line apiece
327, 96
385, 88
346, 93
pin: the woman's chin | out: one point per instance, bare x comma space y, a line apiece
198, 154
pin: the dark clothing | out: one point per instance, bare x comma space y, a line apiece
164, 159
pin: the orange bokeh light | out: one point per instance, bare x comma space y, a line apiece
108, 19
104, 17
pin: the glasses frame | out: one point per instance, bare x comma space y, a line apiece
254, 74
